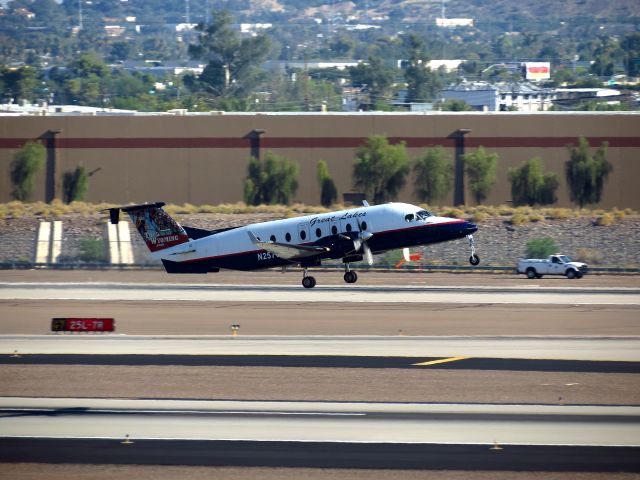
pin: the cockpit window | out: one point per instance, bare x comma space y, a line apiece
423, 214
409, 217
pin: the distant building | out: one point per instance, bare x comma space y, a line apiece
454, 22
254, 28
160, 68
114, 30
501, 97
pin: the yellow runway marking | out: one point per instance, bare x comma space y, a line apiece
442, 360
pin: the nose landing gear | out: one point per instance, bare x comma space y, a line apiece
473, 259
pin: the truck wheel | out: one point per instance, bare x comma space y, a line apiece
571, 274
531, 273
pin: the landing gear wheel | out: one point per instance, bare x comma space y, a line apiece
350, 277
474, 259
308, 282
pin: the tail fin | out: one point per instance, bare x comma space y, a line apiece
157, 228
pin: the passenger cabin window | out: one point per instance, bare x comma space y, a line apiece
303, 235
334, 230
273, 238
348, 227
363, 225
318, 232
287, 237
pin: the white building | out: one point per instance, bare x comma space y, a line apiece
501, 97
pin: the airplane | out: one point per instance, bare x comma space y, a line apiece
352, 235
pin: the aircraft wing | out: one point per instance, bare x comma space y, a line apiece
288, 251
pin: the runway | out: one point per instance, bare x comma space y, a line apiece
354, 435
553, 348
378, 375
320, 422
112, 291
329, 361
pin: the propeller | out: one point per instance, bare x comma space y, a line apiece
362, 243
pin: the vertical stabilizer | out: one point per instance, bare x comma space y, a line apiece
156, 227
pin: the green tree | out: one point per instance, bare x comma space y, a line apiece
630, 45
455, 105
75, 184
530, 185
586, 173
380, 169
422, 82
26, 163
328, 190
376, 77
433, 174
273, 181
541, 247
480, 168
19, 84
232, 62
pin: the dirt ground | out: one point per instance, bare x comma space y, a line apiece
321, 384
26, 471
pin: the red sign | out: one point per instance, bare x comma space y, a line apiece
83, 325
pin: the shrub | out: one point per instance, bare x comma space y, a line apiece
605, 220
480, 168
531, 185
273, 181
452, 212
519, 218
75, 184
433, 174
26, 164
92, 250
587, 173
479, 217
541, 247
560, 213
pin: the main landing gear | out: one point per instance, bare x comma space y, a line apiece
349, 276
473, 259
310, 282
307, 281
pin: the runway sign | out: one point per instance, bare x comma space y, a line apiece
83, 325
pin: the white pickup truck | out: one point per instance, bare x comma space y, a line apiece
554, 265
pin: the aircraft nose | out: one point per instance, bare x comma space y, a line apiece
471, 228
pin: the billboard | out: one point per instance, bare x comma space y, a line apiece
536, 71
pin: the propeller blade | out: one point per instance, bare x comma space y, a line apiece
367, 253
406, 254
